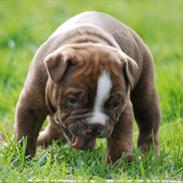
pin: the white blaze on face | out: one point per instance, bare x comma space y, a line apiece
104, 86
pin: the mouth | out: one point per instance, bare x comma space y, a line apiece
77, 142
84, 144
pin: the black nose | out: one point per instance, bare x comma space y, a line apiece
94, 129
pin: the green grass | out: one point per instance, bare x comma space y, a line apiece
26, 24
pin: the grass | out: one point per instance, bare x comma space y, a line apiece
26, 24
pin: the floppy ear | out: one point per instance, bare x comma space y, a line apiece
57, 64
131, 69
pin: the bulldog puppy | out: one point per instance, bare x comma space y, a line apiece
88, 78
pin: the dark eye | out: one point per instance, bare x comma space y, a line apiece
115, 105
72, 101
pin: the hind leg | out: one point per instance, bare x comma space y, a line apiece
52, 132
147, 108
147, 114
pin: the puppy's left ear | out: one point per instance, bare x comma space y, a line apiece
130, 69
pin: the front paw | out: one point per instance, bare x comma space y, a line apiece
145, 143
112, 157
30, 147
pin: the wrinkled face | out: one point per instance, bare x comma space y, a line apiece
89, 95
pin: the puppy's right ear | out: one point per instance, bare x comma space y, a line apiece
57, 64
130, 68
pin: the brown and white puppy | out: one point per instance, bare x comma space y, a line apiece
88, 77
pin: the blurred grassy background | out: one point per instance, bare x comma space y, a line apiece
24, 25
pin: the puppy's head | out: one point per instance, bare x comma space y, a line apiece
87, 89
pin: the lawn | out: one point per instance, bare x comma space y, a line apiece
24, 25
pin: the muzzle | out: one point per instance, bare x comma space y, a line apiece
83, 129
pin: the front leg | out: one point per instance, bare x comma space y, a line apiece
120, 141
30, 115
52, 132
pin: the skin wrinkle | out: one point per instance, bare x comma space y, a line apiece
95, 62
93, 32
83, 58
